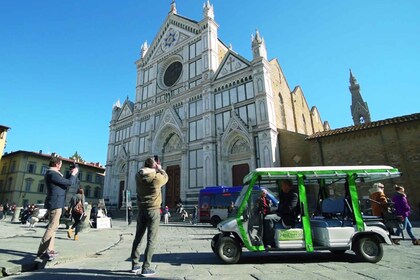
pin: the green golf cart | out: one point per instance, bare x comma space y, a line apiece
329, 218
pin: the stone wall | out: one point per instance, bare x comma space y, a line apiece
389, 143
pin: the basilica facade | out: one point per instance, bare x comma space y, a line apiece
208, 113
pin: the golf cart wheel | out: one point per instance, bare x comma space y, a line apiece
215, 220
214, 241
369, 249
228, 250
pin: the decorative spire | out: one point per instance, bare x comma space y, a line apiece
359, 108
144, 49
257, 39
353, 80
173, 7
258, 45
117, 104
208, 10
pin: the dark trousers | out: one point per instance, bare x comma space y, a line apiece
268, 233
76, 224
146, 220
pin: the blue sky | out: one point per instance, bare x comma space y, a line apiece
63, 64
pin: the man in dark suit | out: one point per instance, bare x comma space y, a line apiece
287, 212
54, 202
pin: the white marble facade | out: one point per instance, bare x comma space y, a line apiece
209, 113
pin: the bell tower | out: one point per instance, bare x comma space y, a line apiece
359, 108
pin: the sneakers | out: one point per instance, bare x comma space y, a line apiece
416, 242
136, 269
147, 272
395, 241
76, 237
47, 256
53, 253
70, 233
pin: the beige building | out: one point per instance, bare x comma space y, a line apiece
3, 137
22, 178
210, 114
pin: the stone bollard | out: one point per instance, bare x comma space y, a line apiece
16, 215
85, 225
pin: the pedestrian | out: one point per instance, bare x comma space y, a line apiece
263, 205
1, 211
77, 203
149, 181
194, 215
130, 215
166, 214
378, 200
184, 215
231, 209
381, 207
402, 208
54, 203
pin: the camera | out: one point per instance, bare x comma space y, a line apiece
156, 158
73, 166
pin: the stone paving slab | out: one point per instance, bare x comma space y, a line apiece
184, 253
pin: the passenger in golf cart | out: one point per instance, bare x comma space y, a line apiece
286, 215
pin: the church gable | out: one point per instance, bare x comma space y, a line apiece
231, 63
126, 111
169, 117
174, 32
234, 127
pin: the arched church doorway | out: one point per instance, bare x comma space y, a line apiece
173, 186
238, 173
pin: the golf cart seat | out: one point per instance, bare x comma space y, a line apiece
332, 210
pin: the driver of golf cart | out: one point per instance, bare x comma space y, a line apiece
286, 214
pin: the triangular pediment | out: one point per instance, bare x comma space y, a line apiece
173, 33
231, 63
126, 110
169, 117
235, 126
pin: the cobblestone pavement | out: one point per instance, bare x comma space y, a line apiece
184, 253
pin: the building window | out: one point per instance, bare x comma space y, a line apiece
44, 169
13, 166
1, 184
98, 179
89, 177
87, 191
234, 95
195, 49
142, 145
196, 108
80, 176
3, 169
196, 169
196, 130
97, 192
247, 114
145, 125
28, 184
195, 68
222, 120
41, 187
31, 167
9, 183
